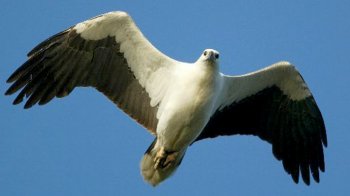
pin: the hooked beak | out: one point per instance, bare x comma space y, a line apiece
211, 56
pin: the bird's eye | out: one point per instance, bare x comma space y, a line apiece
205, 53
216, 56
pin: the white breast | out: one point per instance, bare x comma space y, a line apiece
188, 106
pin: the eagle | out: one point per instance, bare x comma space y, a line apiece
179, 103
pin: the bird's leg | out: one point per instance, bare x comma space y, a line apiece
163, 159
159, 158
170, 159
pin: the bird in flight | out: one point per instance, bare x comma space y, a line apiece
179, 103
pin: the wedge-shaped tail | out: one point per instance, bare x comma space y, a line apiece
156, 169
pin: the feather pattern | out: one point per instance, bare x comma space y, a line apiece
275, 105
72, 58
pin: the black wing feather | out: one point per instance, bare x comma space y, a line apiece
66, 60
295, 129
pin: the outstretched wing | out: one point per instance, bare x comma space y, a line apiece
275, 104
107, 52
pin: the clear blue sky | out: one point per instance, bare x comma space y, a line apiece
84, 145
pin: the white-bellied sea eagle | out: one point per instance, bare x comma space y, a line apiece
179, 103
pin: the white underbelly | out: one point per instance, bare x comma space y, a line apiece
180, 128
184, 117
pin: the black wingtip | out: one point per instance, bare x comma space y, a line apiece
9, 80
307, 183
306, 180
305, 172
7, 93
27, 106
324, 139
316, 177
322, 167
295, 177
12, 77
12, 89
18, 100
47, 42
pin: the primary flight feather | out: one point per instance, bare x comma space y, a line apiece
179, 103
